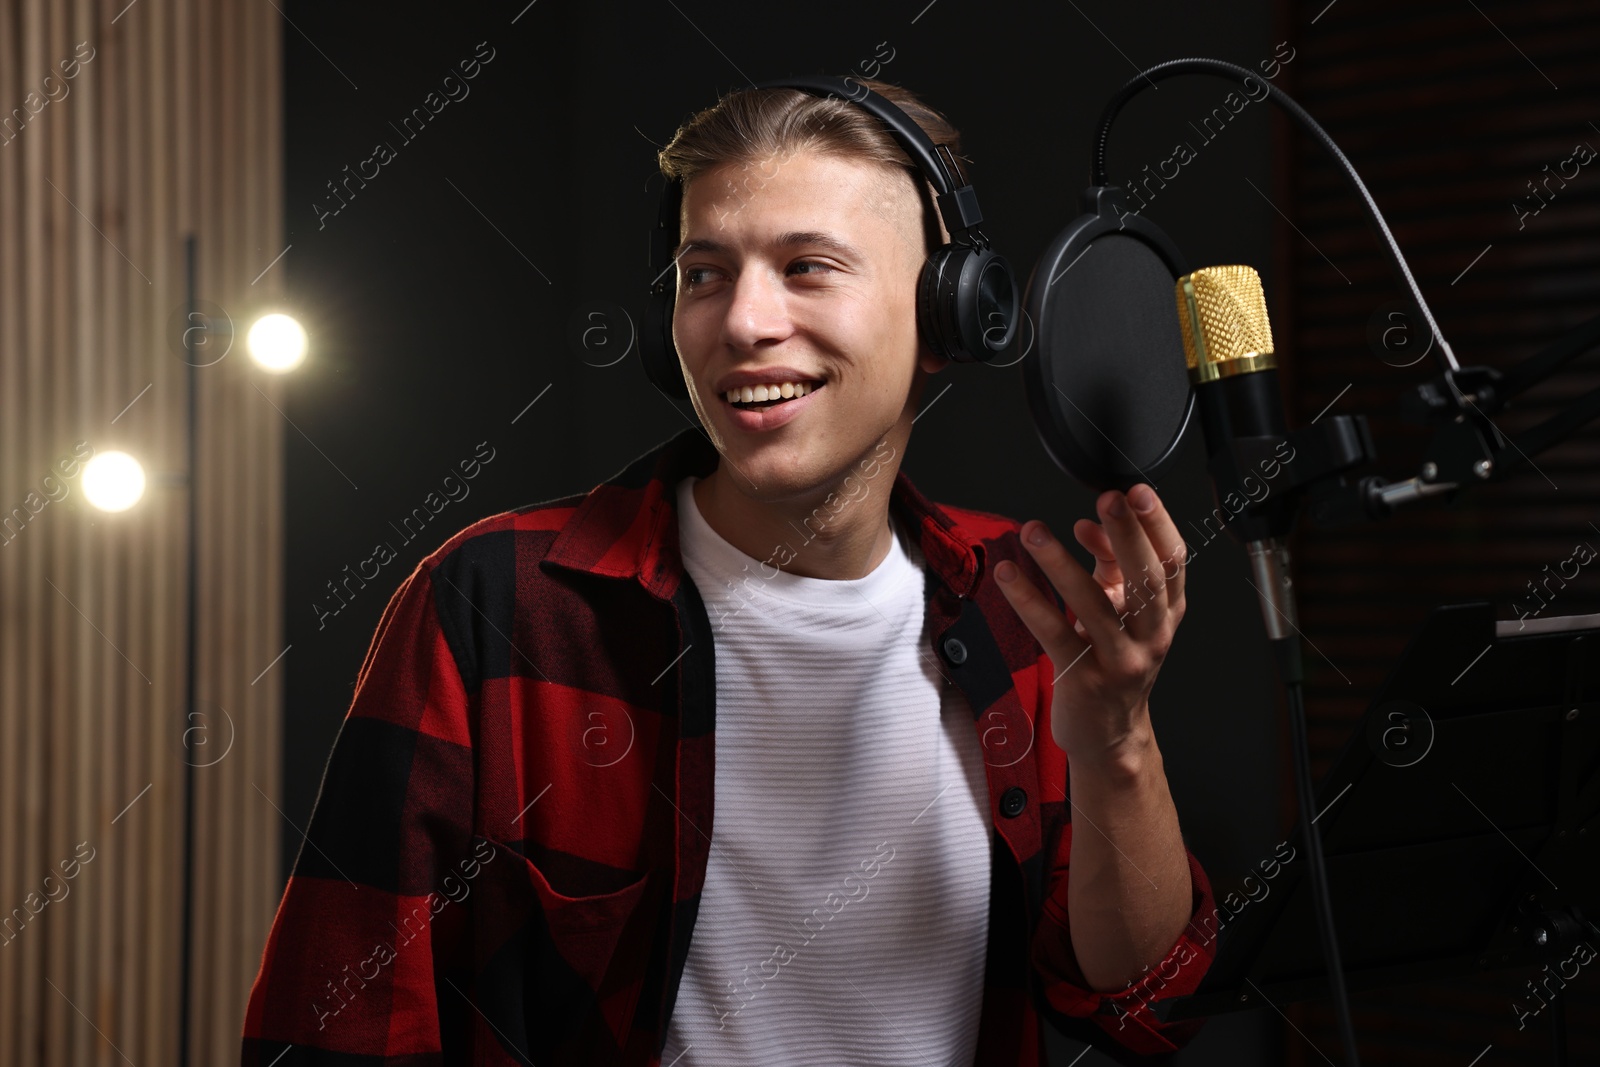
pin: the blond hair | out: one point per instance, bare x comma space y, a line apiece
748, 126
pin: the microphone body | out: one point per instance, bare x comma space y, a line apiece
1232, 363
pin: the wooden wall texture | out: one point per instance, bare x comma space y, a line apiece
1448, 110
124, 126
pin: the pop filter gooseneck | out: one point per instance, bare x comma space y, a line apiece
1247, 77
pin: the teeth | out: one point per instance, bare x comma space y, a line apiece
754, 394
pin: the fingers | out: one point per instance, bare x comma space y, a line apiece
1092, 536
1144, 588
1138, 579
1039, 613
1088, 601
1153, 555
1171, 549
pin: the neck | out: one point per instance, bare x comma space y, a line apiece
838, 532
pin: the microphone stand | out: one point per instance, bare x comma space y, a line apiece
1339, 445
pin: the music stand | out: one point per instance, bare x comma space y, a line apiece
1455, 823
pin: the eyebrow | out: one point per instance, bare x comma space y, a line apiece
785, 240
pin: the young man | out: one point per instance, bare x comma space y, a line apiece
753, 754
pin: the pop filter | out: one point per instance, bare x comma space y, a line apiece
1109, 388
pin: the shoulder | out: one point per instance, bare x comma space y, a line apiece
491, 550
495, 539
478, 576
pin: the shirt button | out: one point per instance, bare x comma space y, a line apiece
1012, 801
955, 651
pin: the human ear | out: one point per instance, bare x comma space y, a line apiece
929, 362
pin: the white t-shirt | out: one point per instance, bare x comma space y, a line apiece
844, 917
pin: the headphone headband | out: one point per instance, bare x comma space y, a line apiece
958, 204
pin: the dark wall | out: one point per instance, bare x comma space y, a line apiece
1449, 111
448, 294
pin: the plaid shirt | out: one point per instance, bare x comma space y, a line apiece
506, 856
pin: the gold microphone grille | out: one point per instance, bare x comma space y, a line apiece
1222, 312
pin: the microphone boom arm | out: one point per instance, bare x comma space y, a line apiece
1468, 447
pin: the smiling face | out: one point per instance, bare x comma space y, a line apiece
802, 270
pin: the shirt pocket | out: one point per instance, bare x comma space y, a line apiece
558, 975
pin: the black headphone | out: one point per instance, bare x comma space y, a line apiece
967, 298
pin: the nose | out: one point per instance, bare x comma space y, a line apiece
758, 309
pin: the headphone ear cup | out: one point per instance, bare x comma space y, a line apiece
967, 303
933, 317
988, 304
656, 350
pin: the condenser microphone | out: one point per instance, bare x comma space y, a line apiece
1227, 343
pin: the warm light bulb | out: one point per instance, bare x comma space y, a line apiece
113, 481
277, 342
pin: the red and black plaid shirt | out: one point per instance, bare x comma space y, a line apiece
506, 855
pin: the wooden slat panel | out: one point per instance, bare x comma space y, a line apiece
172, 125
42, 610
161, 195
15, 458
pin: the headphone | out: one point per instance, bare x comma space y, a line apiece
967, 298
